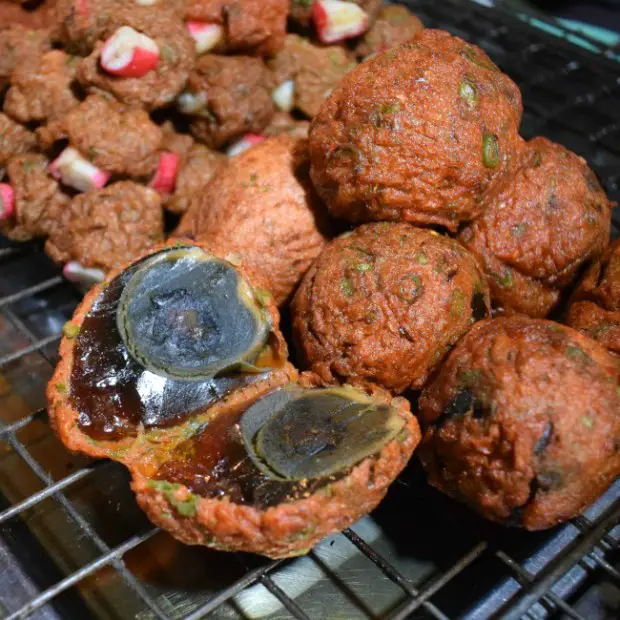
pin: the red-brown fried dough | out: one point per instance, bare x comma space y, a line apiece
260, 210
419, 133
523, 422
551, 218
595, 304
384, 304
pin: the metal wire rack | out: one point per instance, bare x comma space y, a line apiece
73, 544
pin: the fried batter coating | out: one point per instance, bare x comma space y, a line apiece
420, 133
551, 218
523, 422
261, 211
595, 303
385, 303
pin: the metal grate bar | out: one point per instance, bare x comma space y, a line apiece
36, 346
606, 566
76, 577
291, 606
525, 576
408, 608
6, 252
34, 499
531, 594
31, 290
226, 594
391, 572
82, 522
13, 428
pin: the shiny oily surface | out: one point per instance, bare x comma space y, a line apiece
115, 394
184, 315
284, 447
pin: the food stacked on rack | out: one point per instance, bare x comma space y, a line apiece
411, 214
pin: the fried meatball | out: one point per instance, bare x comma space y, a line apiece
314, 70
20, 47
198, 169
108, 227
237, 98
250, 26
395, 24
523, 422
116, 138
14, 139
44, 92
161, 85
420, 133
39, 202
595, 304
261, 211
283, 124
551, 218
385, 303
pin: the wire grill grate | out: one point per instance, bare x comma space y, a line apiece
572, 97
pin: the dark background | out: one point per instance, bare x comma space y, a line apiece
604, 13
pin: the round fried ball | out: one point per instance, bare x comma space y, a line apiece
420, 133
260, 210
595, 307
523, 422
535, 234
384, 304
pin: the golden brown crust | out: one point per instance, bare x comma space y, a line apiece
261, 211
385, 303
419, 134
523, 422
291, 528
551, 218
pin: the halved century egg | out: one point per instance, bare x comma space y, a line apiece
277, 473
158, 343
187, 315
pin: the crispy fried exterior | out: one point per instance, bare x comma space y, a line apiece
238, 93
314, 70
108, 227
200, 166
158, 87
14, 139
251, 26
43, 92
19, 47
535, 234
385, 303
39, 202
283, 124
291, 528
395, 24
117, 138
595, 304
523, 422
262, 212
420, 133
